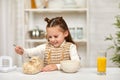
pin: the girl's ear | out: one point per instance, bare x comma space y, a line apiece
66, 33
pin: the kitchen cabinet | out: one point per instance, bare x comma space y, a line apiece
75, 17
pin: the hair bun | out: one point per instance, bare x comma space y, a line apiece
61, 17
47, 20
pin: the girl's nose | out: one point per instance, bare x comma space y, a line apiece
53, 39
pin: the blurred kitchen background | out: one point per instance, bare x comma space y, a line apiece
92, 20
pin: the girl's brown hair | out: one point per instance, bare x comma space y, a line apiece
61, 22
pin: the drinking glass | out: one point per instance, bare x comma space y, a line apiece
101, 63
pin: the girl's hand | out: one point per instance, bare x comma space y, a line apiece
19, 50
50, 67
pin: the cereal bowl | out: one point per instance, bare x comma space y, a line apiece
70, 66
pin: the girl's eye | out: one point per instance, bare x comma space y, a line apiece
55, 36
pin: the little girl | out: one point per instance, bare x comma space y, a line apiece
60, 45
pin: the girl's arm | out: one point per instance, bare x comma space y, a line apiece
73, 53
36, 51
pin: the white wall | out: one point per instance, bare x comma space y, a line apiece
102, 13
8, 29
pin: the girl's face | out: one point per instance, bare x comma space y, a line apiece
56, 35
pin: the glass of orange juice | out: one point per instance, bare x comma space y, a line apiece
101, 63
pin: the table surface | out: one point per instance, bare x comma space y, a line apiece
82, 74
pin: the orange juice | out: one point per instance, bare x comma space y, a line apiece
101, 64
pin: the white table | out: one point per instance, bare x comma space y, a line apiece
82, 74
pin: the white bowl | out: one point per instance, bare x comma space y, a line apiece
70, 66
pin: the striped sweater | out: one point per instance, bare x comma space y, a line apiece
55, 55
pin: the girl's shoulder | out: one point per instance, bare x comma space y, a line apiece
70, 43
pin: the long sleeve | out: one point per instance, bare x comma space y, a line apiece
73, 53
36, 51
